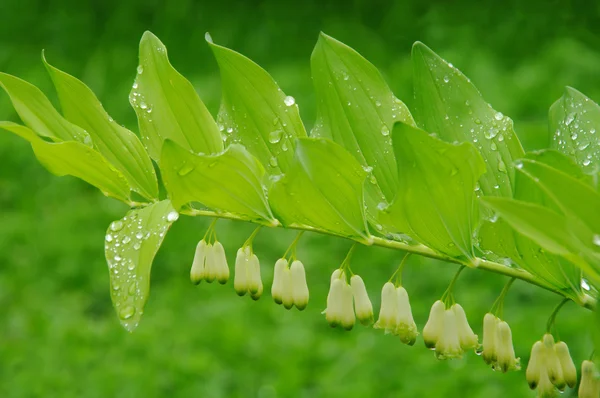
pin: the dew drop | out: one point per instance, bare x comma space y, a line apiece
385, 131
116, 226
140, 69
596, 239
498, 116
135, 85
275, 136
273, 161
109, 237
446, 79
289, 100
185, 170
172, 216
377, 103
127, 312
229, 130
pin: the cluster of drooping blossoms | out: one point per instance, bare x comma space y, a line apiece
550, 367
209, 263
247, 273
289, 284
346, 302
395, 314
590, 381
447, 331
498, 349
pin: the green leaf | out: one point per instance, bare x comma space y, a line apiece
323, 188
228, 182
575, 125
357, 109
255, 112
167, 106
448, 104
551, 230
120, 146
130, 247
38, 113
75, 159
436, 198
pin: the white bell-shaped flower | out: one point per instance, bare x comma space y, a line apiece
553, 365
210, 267
347, 317
335, 299
300, 291
337, 274
240, 278
435, 324
545, 388
362, 304
566, 363
278, 283
506, 359
288, 289
468, 339
255, 286
536, 366
590, 381
448, 344
220, 259
389, 309
406, 328
197, 271
490, 330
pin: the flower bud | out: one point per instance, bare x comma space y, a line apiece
222, 269
505, 350
590, 381
406, 328
468, 339
288, 286
389, 309
299, 286
255, 285
210, 269
197, 271
259, 292
448, 344
335, 300
362, 303
552, 363
347, 317
277, 287
434, 325
536, 367
566, 363
545, 388
490, 325
240, 279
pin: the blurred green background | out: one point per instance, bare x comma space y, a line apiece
59, 336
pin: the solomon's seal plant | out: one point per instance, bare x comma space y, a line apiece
449, 180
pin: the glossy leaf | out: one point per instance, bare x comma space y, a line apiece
167, 106
575, 126
436, 202
357, 109
227, 182
448, 104
323, 188
121, 147
255, 112
75, 159
37, 112
549, 229
130, 246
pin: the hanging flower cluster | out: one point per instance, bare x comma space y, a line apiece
447, 331
550, 367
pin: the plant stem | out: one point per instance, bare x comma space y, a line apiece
554, 313
422, 250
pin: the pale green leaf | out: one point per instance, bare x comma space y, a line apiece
121, 147
575, 126
75, 159
230, 182
255, 112
436, 201
130, 246
323, 188
167, 106
448, 104
357, 109
37, 112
